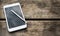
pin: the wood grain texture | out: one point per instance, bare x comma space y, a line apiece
0, 29
52, 29
35, 28
35, 8
4, 30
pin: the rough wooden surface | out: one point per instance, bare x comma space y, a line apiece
35, 8
52, 29
35, 28
0, 29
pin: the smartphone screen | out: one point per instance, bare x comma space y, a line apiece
12, 19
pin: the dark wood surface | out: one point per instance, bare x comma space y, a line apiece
34, 9
35, 28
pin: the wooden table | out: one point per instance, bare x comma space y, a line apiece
34, 11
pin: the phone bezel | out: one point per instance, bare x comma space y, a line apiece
15, 28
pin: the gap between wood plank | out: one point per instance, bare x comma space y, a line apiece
38, 19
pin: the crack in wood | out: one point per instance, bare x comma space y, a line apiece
37, 19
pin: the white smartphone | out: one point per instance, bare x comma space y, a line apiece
14, 17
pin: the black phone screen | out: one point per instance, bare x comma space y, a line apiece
12, 19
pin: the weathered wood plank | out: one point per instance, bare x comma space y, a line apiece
52, 29
30, 31
0, 29
4, 30
35, 8
35, 28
